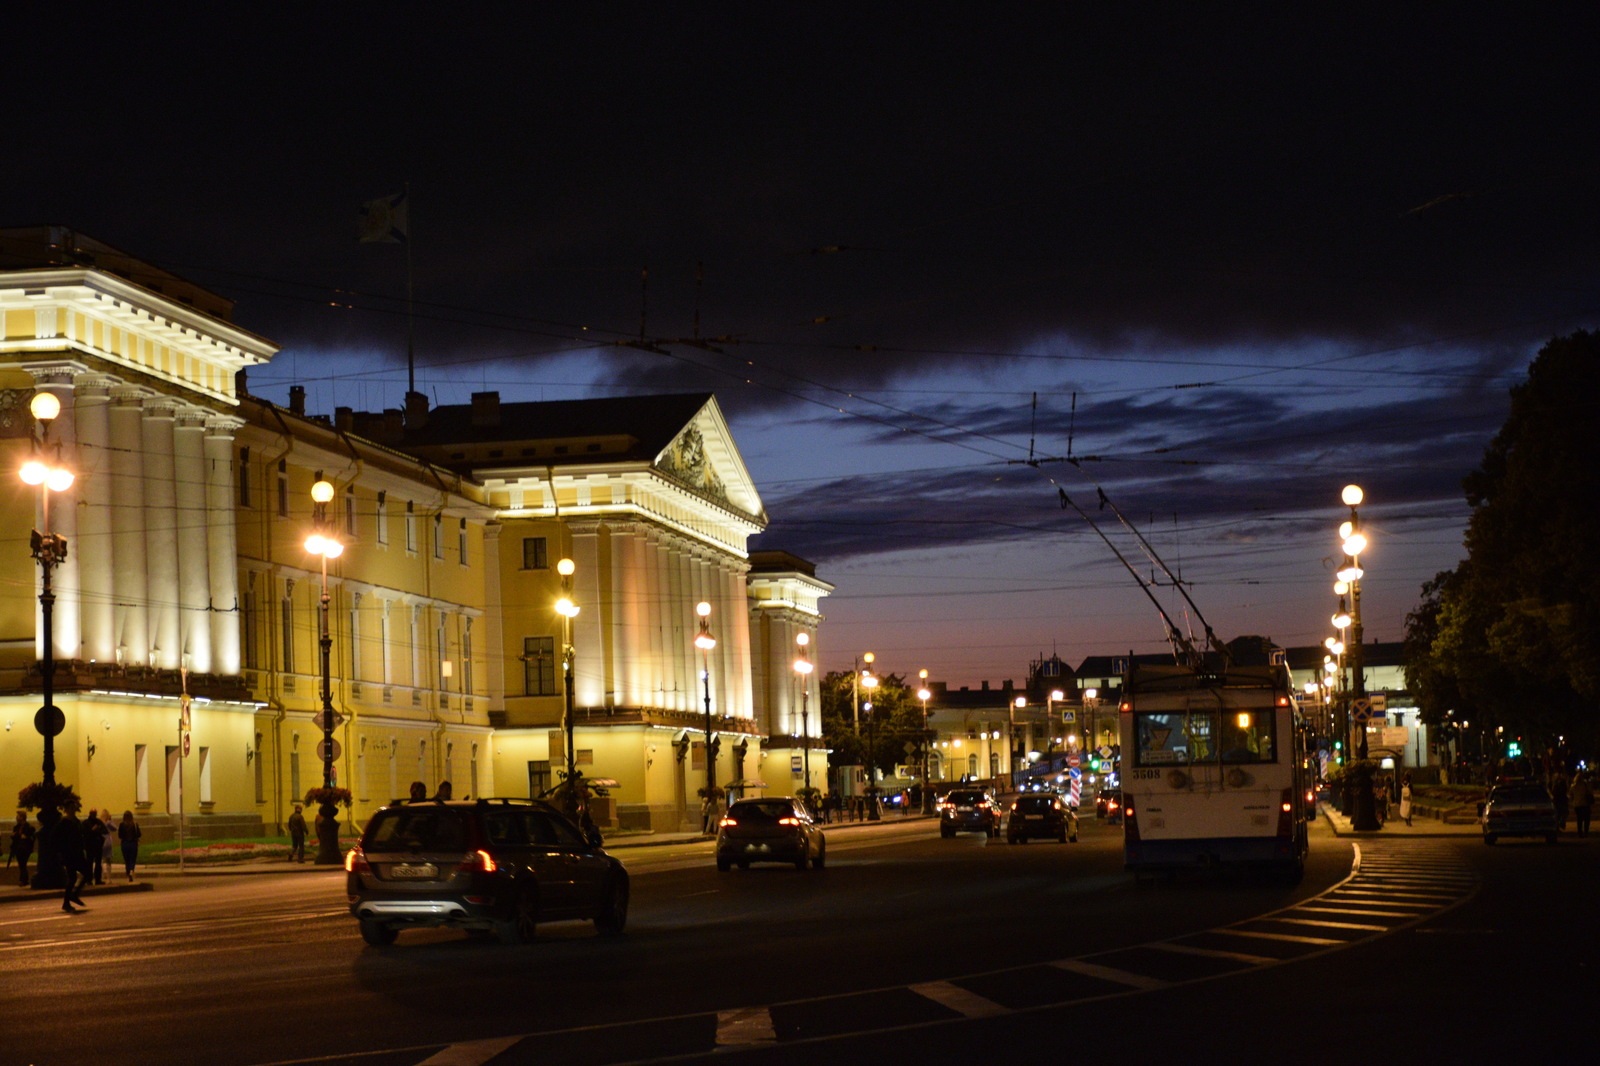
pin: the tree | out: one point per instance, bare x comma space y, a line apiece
1512, 635
894, 721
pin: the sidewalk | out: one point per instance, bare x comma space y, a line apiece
146, 875
1394, 827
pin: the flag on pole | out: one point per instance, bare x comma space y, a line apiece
383, 220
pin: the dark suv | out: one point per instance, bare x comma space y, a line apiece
1041, 814
499, 866
968, 810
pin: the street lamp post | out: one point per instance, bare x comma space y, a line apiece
568, 610
325, 546
803, 668
1011, 741
1354, 543
705, 642
51, 551
927, 741
870, 682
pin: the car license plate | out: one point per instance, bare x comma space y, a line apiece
413, 871
759, 849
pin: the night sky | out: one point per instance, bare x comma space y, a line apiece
1242, 254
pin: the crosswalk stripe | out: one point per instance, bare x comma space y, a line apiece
958, 999
1289, 937
745, 1027
1110, 973
1329, 925
1354, 910
470, 1053
1212, 953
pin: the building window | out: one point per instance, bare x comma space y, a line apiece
261, 772
383, 518
350, 512
205, 775
466, 657
535, 553
461, 541
411, 526
444, 653
288, 629
355, 637
539, 666
249, 622
141, 774
244, 477
438, 536
283, 489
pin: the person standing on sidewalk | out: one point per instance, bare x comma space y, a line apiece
1405, 798
1558, 792
128, 835
297, 835
94, 844
109, 838
1582, 799
22, 835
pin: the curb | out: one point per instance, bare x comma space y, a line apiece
1346, 831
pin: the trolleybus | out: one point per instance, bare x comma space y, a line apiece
1214, 769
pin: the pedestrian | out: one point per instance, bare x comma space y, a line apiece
109, 841
446, 790
94, 844
128, 835
1558, 792
297, 835
1405, 798
66, 840
22, 836
419, 791
1582, 799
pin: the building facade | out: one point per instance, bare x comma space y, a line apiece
187, 578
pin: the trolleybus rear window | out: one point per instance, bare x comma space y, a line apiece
1181, 738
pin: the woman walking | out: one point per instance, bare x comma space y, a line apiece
128, 834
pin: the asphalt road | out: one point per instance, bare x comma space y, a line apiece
906, 945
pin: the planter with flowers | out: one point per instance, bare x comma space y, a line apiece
327, 800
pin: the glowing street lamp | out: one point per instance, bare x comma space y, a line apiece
803, 668
324, 545
568, 610
927, 740
705, 642
51, 551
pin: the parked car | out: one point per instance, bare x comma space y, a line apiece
1108, 805
499, 866
968, 810
1519, 809
1041, 814
776, 829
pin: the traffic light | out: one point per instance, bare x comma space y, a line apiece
1514, 749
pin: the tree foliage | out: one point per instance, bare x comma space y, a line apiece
889, 732
1512, 635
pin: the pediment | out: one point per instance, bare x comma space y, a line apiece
704, 457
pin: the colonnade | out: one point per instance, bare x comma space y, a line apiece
637, 649
151, 577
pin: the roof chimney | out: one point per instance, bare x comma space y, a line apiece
486, 408
297, 399
343, 419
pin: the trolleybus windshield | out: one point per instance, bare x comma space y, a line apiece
1183, 738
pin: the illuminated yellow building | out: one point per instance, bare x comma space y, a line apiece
188, 572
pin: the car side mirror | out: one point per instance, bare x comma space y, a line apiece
592, 837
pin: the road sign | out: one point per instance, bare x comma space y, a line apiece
49, 721
797, 766
1069, 717
323, 749
1077, 784
1073, 761
1361, 709
1105, 751
325, 724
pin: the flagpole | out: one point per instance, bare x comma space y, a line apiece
411, 318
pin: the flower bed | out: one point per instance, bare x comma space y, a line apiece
223, 853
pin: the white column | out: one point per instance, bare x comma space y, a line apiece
66, 631
161, 531
94, 544
588, 629
739, 605
624, 621
129, 579
678, 615
494, 635
222, 540
192, 519
650, 680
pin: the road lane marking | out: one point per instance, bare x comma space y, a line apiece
1354, 910
1213, 953
1330, 925
1111, 973
745, 1027
1288, 937
958, 999
471, 1053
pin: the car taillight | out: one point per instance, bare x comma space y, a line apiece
355, 862
1013, 806
984, 805
727, 821
1111, 805
1285, 813
788, 821
479, 860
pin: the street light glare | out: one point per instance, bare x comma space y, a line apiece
58, 480
703, 609
322, 492
1352, 495
34, 472
1355, 544
802, 639
565, 567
